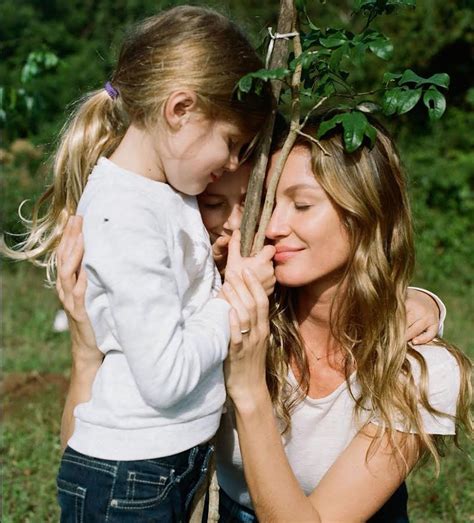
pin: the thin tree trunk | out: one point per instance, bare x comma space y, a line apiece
289, 142
253, 200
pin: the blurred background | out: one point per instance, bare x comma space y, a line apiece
52, 52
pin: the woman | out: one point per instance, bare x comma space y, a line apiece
357, 405
68, 262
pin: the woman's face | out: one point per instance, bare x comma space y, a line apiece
222, 203
312, 245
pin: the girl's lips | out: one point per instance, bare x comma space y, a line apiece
214, 177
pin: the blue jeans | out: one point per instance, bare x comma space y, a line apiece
394, 510
92, 490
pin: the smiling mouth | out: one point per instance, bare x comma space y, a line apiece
283, 255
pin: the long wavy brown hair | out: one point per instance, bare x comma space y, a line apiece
185, 47
368, 189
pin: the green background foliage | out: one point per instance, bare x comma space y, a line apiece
84, 36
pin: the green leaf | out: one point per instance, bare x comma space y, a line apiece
435, 102
245, 83
410, 76
355, 125
402, 3
328, 125
440, 79
335, 40
390, 100
358, 54
336, 56
408, 99
388, 77
382, 47
400, 100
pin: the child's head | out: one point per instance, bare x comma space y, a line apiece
222, 203
186, 49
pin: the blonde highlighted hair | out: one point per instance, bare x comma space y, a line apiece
367, 316
185, 47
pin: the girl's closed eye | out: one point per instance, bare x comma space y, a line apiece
213, 205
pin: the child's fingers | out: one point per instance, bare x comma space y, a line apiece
415, 329
426, 336
266, 254
220, 246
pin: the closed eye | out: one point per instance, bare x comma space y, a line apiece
302, 206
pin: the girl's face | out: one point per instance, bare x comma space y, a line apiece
312, 245
222, 203
199, 152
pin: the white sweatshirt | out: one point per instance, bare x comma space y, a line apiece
151, 282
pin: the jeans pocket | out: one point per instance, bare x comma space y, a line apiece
145, 489
71, 498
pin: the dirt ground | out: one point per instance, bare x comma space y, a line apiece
21, 389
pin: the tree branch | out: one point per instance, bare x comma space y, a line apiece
289, 142
253, 200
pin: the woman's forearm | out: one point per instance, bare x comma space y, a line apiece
80, 387
274, 489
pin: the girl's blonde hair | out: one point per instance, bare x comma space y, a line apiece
182, 48
368, 313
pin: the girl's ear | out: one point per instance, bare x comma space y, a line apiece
178, 108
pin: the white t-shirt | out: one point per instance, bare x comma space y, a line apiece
322, 428
151, 282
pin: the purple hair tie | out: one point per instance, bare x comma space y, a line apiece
111, 91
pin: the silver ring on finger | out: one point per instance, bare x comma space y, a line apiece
245, 331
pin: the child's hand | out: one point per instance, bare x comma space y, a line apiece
260, 265
219, 252
422, 317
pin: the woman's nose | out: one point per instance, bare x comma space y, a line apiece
278, 226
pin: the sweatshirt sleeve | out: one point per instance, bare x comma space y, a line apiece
127, 255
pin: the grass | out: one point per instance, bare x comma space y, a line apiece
36, 363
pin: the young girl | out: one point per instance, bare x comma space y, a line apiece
130, 161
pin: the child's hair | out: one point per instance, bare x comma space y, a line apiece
185, 47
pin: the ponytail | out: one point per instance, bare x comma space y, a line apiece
94, 129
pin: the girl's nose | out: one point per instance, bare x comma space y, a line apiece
234, 220
278, 226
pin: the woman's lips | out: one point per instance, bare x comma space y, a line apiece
214, 177
284, 253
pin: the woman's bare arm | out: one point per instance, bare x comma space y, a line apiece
71, 287
352, 490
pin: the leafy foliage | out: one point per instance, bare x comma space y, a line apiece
328, 60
